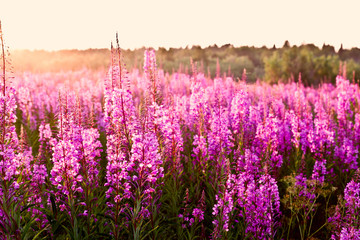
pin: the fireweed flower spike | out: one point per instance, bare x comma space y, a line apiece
134, 161
65, 172
257, 199
120, 124
151, 76
199, 121
171, 139
14, 164
346, 223
151, 130
144, 169
40, 174
267, 143
240, 112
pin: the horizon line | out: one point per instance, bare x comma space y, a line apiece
189, 46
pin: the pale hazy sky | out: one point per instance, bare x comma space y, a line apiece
69, 24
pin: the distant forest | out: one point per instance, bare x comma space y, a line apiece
273, 65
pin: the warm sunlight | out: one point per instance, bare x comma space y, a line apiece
82, 24
205, 119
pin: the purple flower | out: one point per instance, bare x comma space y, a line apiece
250, 163
223, 207
258, 200
121, 123
145, 163
65, 172
352, 198
301, 185
239, 112
88, 149
150, 71
171, 139
347, 153
198, 214
345, 221
319, 171
267, 142
350, 233
262, 207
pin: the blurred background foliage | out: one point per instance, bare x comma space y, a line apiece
273, 65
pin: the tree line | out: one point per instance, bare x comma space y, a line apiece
273, 65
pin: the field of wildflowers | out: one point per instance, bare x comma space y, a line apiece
150, 155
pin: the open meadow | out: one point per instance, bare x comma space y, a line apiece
141, 153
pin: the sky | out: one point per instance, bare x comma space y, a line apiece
83, 24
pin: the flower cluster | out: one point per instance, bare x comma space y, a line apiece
113, 160
347, 222
258, 203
